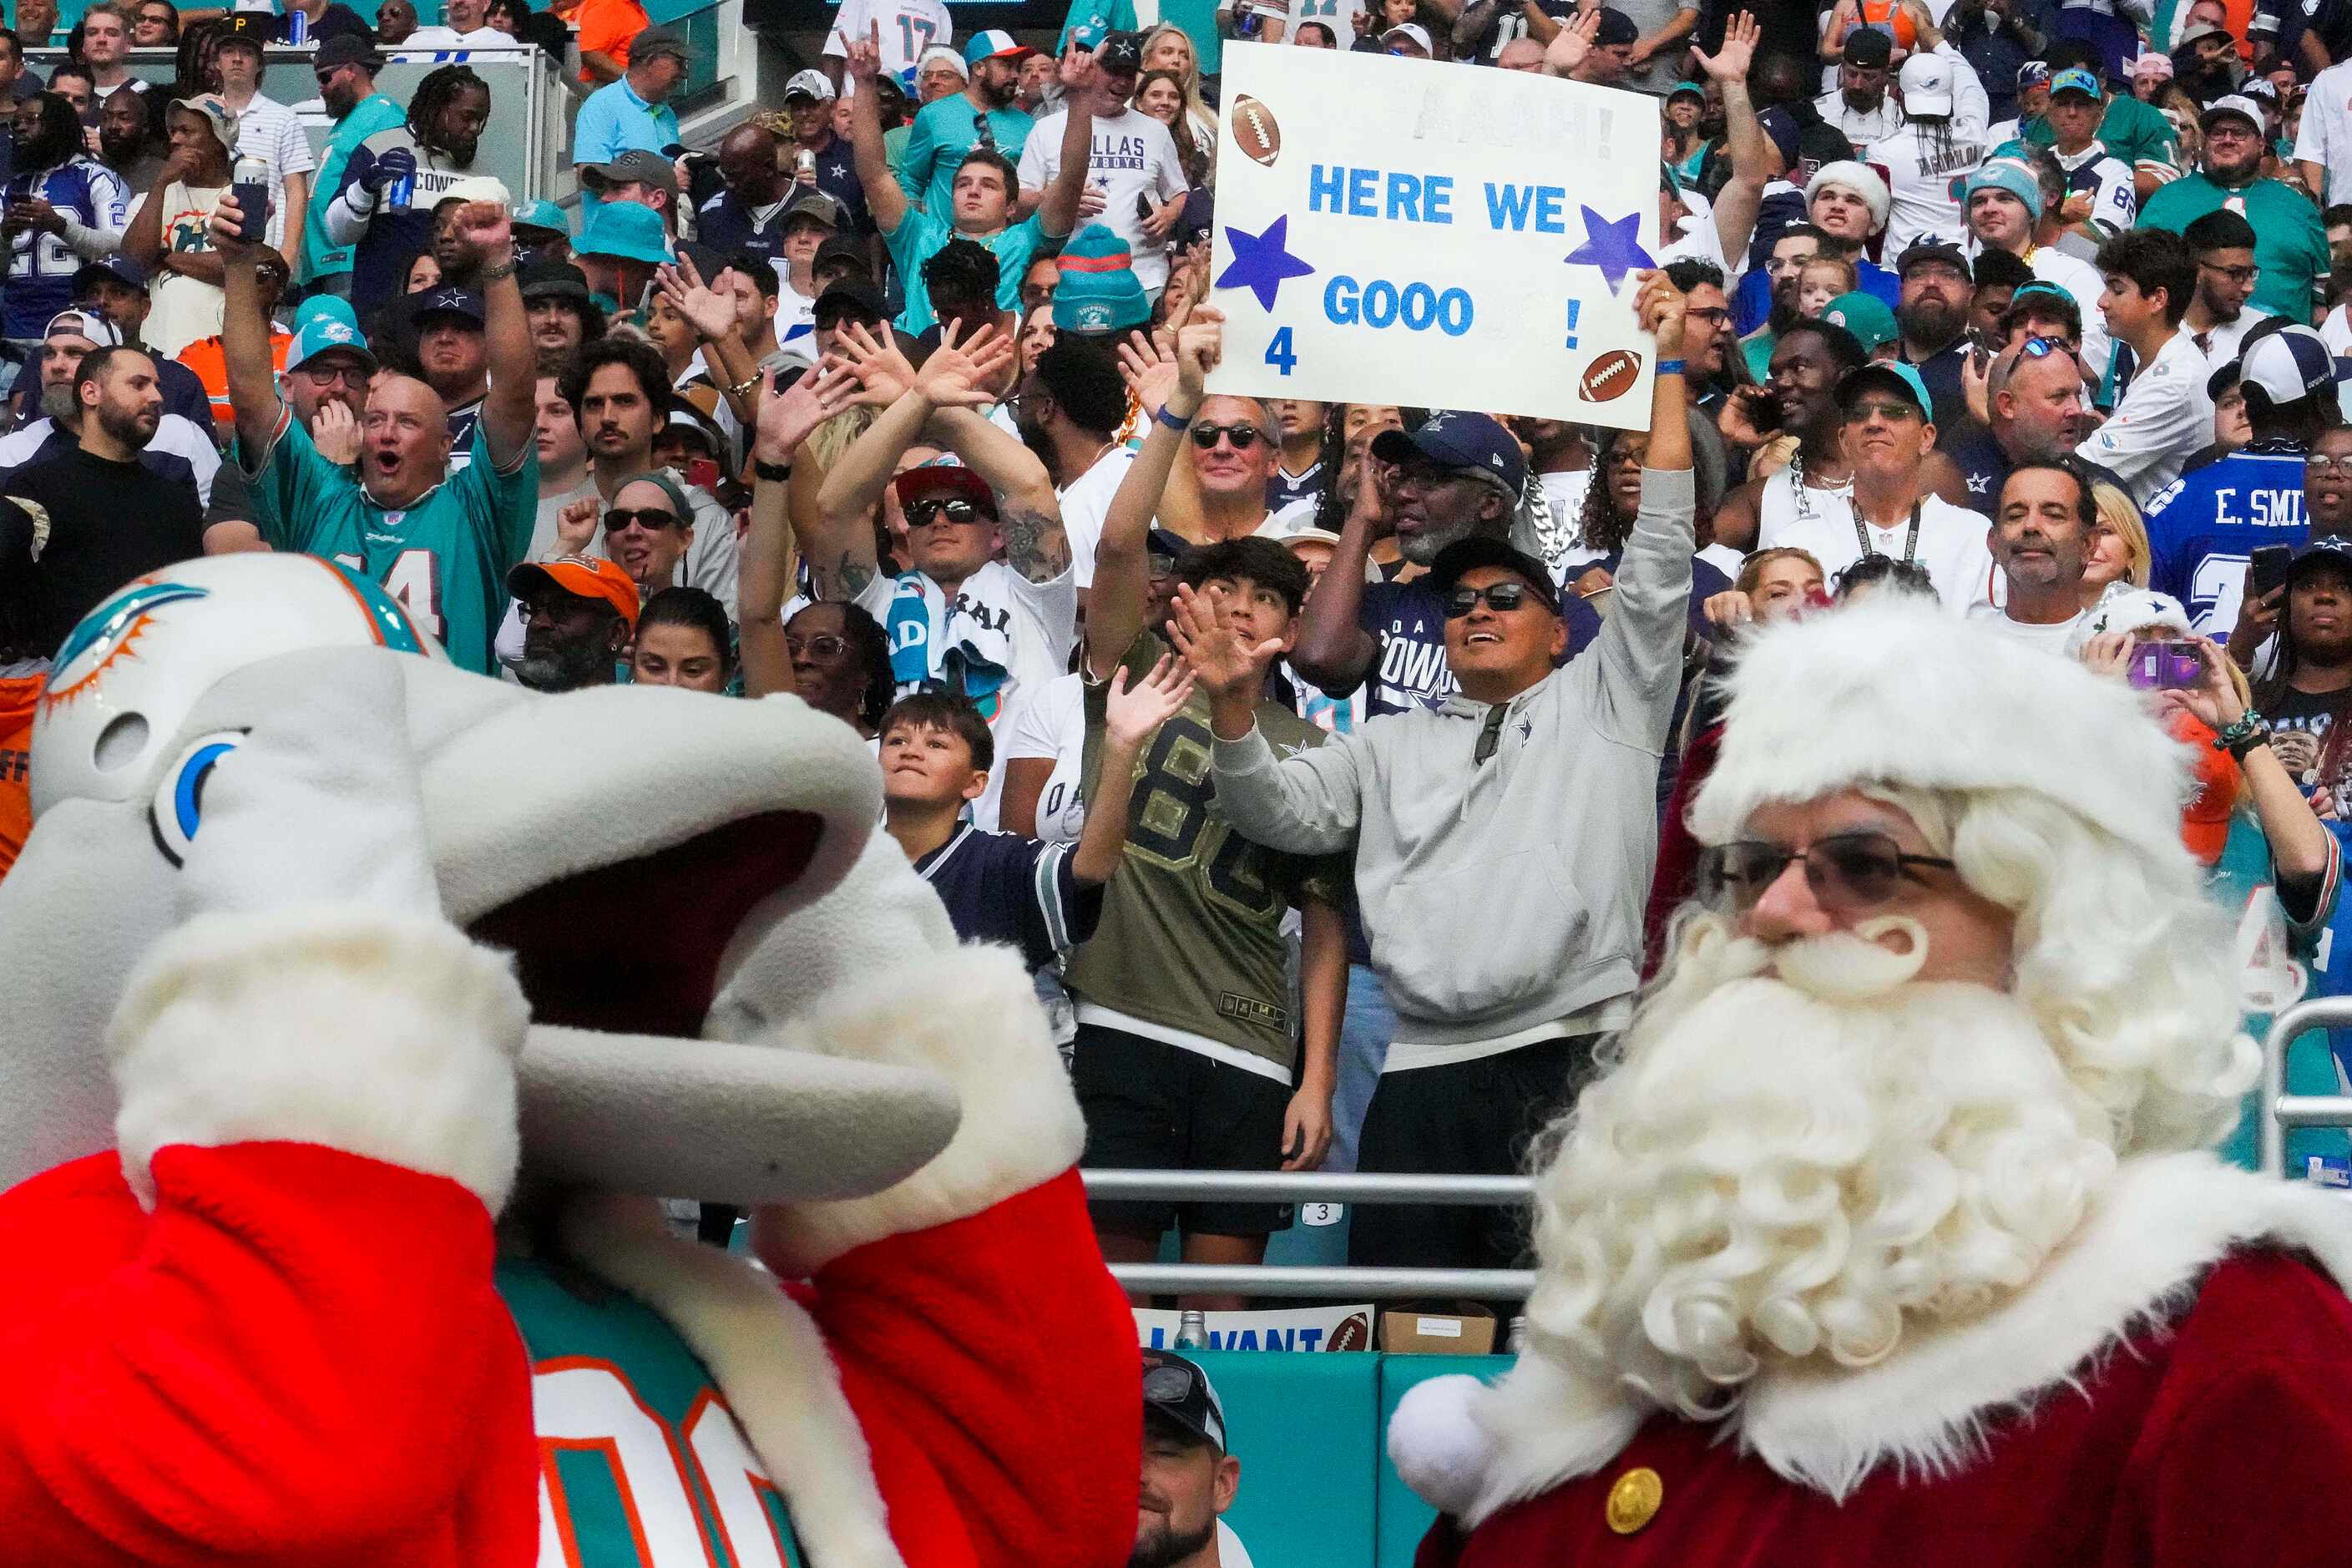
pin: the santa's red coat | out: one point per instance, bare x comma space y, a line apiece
2212, 1426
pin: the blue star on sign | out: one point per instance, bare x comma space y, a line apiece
1261, 261
1611, 246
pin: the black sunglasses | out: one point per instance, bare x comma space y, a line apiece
960, 512
651, 518
1461, 599
1844, 871
1242, 436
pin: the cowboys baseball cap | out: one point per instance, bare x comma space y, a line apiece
812, 84
116, 268
1887, 375
1465, 556
995, 43
1921, 251
1867, 47
1179, 1391
2074, 79
448, 303
582, 577
88, 324
2245, 107
634, 167
944, 478
1454, 440
2331, 551
1616, 29
853, 298
328, 335
2288, 363
346, 49
1120, 53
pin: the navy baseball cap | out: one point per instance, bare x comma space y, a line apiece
117, 267
1454, 440
2330, 550
1867, 47
448, 303
1466, 555
1932, 249
1178, 1391
2288, 363
1616, 29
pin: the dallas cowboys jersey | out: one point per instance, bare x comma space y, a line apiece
2115, 202
2204, 527
41, 266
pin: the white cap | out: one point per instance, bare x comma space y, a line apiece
2124, 608
477, 188
84, 323
813, 84
1925, 82
1414, 30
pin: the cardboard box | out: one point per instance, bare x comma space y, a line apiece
1451, 1328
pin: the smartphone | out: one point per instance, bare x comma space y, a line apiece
704, 472
249, 185
2169, 666
2267, 569
1764, 411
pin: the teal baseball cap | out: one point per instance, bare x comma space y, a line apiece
995, 43
625, 229
2074, 79
325, 333
1689, 89
1865, 315
1887, 375
327, 306
543, 215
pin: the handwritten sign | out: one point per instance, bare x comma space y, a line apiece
1415, 232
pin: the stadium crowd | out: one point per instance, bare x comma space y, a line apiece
1236, 717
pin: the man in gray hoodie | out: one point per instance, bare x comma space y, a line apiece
1503, 838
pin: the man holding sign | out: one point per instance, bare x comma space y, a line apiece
1417, 251
1532, 791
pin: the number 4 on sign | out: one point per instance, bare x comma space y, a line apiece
1278, 353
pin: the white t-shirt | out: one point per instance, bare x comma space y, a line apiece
1085, 501
907, 28
1952, 544
1924, 176
1566, 492
2162, 417
1339, 15
1033, 624
1053, 724
1132, 155
2335, 331
184, 309
2222, 344
443, 37
2050, 639
2325, 134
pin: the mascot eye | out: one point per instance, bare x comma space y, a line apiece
179, 801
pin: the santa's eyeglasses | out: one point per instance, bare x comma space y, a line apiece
1846, 871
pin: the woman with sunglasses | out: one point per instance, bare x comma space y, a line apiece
646, 528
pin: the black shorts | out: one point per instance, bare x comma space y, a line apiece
1153, 1106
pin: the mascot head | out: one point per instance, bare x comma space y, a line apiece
650, 857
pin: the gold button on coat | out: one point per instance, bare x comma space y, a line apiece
1633, 1500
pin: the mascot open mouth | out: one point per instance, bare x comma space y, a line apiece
635, 946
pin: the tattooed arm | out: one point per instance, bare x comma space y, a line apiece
1031, 515
839, 544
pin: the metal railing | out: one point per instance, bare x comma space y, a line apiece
2283, 1112
1315, 1187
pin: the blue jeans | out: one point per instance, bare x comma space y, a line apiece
1364, 1035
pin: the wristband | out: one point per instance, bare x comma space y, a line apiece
492, 274
774, 473
745, 387
1180, 423
2250, 731
1670, 367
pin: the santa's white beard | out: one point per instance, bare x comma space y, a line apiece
1797, 1150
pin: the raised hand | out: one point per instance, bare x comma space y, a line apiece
1200, 344
575, 525
865, 59
1151, 372
882, 373
787, 417
335, 433
483, 235
712, 313
1131, 715
958, 372
1571, 44
1659, 307
1077, 70
1227, 664
2214, 700
1731, 63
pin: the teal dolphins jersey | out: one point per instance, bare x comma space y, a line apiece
641, 1464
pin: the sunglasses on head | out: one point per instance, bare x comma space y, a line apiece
652, 519
1846, 871
1242, 436
957, 511
1461, 599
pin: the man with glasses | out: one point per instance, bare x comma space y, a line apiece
2204, 528
1888, 433
345, 68
1533, 791
2290, 243
2165, 413
579, 614
2222, 243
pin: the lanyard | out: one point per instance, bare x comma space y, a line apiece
1910, 539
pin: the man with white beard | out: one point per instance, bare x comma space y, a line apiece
1891, 1232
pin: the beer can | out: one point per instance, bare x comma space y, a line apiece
398, 194
805, 162
298, 26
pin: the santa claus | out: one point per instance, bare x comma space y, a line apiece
1890, 1233
324, 956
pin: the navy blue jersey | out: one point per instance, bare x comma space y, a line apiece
2204, 528
1408, 621
393, 237
41, 266
1001, 887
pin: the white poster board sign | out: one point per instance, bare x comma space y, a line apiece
1447, 236
1290, 1328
